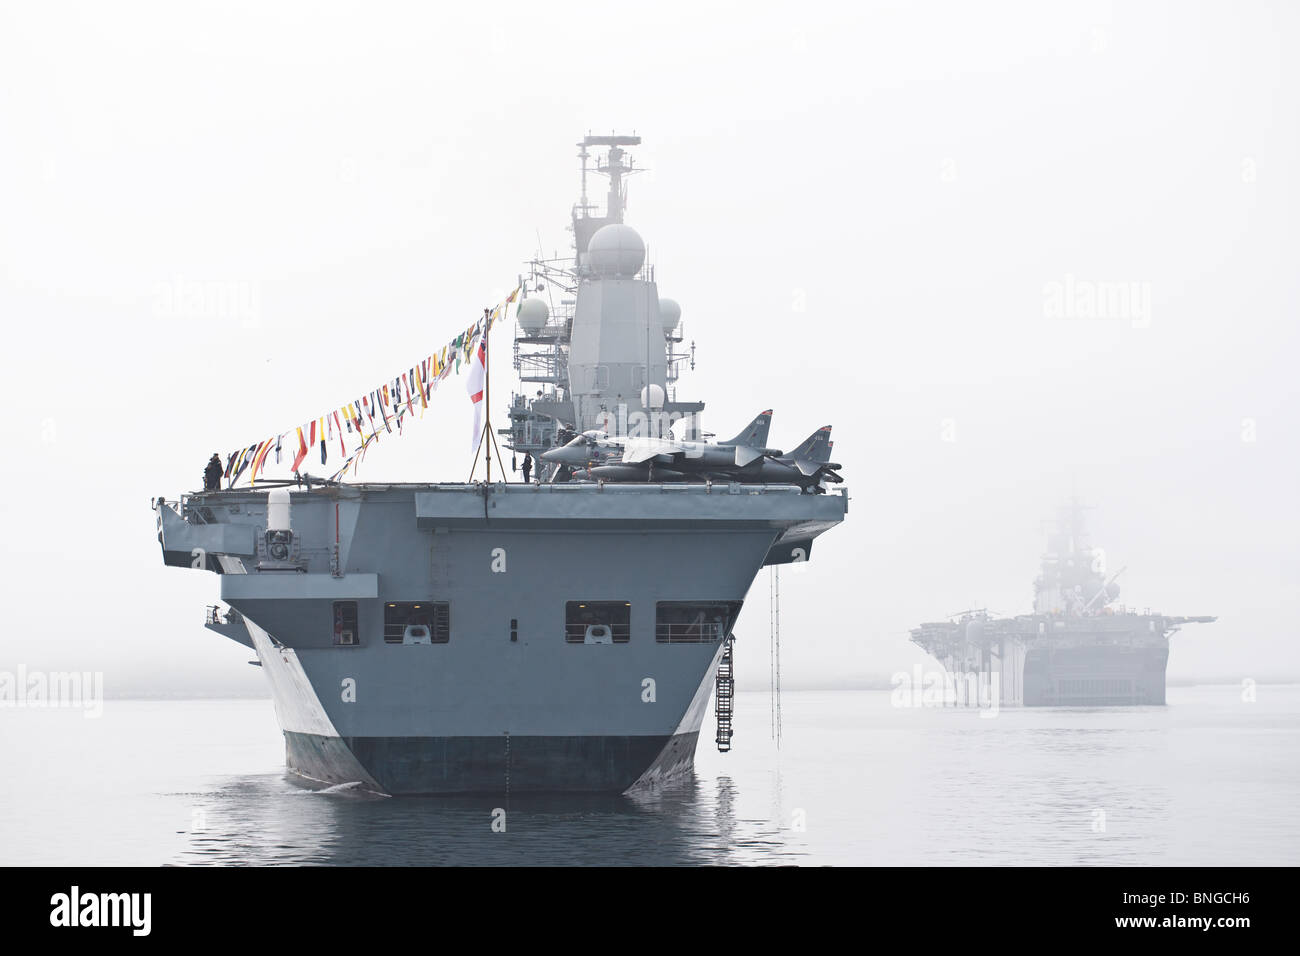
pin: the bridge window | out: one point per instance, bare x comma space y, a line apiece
417, 622
694, 622
345, 624
597, 622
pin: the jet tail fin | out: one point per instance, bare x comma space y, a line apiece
817, 448
755, 433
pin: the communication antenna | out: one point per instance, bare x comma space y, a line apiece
774, 651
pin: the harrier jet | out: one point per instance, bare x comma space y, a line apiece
667, 458
657, 459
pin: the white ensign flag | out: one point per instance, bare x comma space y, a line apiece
474, 385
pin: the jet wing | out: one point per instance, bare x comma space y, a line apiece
638, 450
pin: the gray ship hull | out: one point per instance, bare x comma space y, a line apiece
440, 765
1107, 675
508, 700
418, 759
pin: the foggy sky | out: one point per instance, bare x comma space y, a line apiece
865, 210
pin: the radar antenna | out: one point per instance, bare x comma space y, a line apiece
613, 167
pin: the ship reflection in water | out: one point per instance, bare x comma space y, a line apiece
862, 778
859, 780
691, 822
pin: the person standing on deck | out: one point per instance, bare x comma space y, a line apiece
212, 474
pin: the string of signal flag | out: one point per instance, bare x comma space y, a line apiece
376, 412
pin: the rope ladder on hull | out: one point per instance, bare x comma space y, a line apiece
725, 690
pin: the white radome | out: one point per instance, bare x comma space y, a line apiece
655, 399
616, 250
670, 313
533, 314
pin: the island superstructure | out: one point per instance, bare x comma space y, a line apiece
428, 638
597, 348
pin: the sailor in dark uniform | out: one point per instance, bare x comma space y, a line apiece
212, 474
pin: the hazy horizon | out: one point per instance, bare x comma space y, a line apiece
887, 218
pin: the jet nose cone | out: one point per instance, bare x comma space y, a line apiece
554, 454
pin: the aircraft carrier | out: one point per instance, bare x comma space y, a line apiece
1078, 648
500, 636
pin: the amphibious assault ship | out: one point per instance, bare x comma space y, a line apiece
1078, 648
501, 636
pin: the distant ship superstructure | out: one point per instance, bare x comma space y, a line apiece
1078, 647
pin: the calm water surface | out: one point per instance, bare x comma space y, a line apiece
1208, 780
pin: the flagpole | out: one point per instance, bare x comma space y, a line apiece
486, 359
487, 440
487, 393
